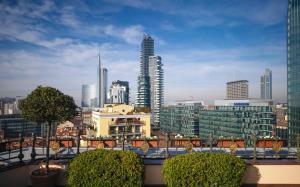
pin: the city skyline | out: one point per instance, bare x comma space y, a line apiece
219, 42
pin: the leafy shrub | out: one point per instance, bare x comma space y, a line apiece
106, 168
204, 169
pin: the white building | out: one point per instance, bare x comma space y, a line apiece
156, 75
119, 92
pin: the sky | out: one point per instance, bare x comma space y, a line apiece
203, 44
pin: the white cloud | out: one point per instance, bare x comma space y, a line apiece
131, 34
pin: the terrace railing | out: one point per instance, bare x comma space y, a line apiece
27, 149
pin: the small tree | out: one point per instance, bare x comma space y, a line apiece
47, 105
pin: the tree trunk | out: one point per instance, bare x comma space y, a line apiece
48, 146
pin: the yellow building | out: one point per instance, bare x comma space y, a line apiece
116, 120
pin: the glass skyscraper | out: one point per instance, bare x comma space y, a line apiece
89, 96
102, 85
293, 67
266, 85
143, 93
156, 75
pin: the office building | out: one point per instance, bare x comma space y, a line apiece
293, 68
119, 92
237, 89
89, 96
156, 75
12, 125
181, 118
143, 92
266, 85
102, 84
116, 120
237, 119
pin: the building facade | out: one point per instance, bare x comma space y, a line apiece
238, 119
266, 85
102, 84
237, 89
156, 75
293, 68
118, 120
181, 118
119, 92
143, 92
89, 95
13, 125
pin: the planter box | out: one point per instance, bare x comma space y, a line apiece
110, 143
65, 143
139, 143
268, 143
107, 143
183, 142
225, 143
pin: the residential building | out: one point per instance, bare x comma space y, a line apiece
102, 84
118, 120
143, 92
119, 92
237, 119
181, 118
293, 68
237, 89
281, 123
87, 118
10, 105
9, 108
156, 75
89, 95
266, 85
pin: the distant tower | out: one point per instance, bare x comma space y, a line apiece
119, 92
266, 85
102, 85
156, 75
237, 89
143, 93
89, 95
293, 69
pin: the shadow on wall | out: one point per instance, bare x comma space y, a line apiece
251, 177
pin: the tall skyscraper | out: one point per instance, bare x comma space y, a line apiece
266, 85
102, 85
237, 89
156, 74
89, 96
293, 68
119, 92
143, 93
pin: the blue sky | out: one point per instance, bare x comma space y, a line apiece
203, 44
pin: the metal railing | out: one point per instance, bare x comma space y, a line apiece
32, 148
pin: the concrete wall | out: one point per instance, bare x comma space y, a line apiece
256, 174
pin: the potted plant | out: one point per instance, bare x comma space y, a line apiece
47, 105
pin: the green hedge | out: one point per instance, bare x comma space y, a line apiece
204, 169
106, 168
